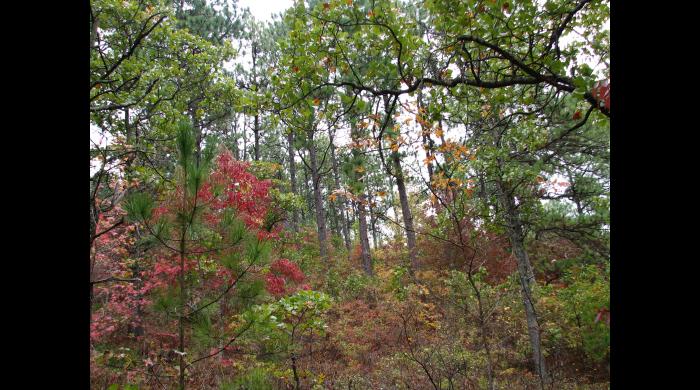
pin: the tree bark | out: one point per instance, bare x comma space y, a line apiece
364, 239
181, 317
293, 179
308, 194
406, 214
397, 172
372, 220
361, 215
256, 119
256, 134
526, 276
336, 178
320, 213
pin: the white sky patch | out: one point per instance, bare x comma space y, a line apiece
263, 10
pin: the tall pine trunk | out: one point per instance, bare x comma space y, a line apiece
403, 197
407, 215
372, 220
361, 214
307, 195
256, 134
293, 179
343, 212
364, 239
318, 199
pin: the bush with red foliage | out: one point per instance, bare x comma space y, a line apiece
283, 271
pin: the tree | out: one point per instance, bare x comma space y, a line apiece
213, 231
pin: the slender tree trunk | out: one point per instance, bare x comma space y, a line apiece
132, 139
406, 214
245, 139
336, 178
93, 231
256, 134
320, 214
297, 385
181, 318
293, 179
93, 31
256, 118
136, 274
526, 276
428, 144
403, 198
335, 220
364, 240
372, 220
360, 207
308, 194
234, 138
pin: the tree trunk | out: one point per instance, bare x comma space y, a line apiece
256, 119
526, 276
320, 214
364, 239
256, 134
308, 195
372, 220
297, 385
245, 139
93, 31
406, 214
335, 221
181, 318
93, 231
234, 138
403, 198
293, 179
343, 213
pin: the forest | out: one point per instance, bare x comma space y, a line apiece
351, 194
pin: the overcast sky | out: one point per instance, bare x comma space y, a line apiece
264, 9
